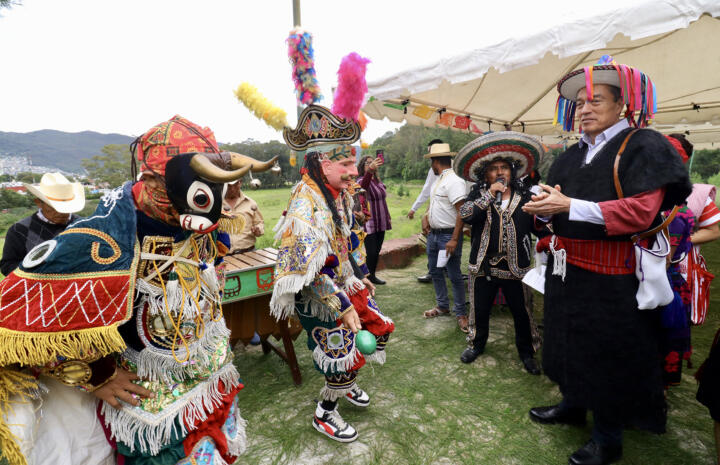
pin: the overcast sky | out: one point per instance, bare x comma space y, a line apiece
123, 66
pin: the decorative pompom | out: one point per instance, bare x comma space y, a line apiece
275, 117
301, 56
352, 87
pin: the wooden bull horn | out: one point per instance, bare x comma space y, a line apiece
206, 169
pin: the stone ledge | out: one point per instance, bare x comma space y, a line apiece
398, 253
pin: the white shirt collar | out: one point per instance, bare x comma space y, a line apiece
606, 135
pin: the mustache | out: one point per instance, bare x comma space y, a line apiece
345, 177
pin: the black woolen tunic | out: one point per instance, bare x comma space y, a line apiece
601, 350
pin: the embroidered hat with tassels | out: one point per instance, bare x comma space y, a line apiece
637, 91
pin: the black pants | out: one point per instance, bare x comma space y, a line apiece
373, 244
485, 292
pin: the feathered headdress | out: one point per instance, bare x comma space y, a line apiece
637, 90
275, 117
301, 55
352, 87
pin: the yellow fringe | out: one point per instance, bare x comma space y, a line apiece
12, 382
273, 116
232, 225
42, 348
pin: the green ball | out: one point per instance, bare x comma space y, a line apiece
366, 342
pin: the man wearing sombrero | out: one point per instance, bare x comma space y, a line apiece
57, 199
598, 346
501, 245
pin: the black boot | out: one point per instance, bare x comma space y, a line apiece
471, 353
375, 280
593, 453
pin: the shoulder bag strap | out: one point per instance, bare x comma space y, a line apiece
616, 178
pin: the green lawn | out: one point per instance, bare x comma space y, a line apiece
428, 408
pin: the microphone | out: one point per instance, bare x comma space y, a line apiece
498, 195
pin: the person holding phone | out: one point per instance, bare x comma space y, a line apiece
379, 221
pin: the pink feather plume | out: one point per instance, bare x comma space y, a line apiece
352, 87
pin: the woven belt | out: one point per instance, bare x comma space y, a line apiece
597, 256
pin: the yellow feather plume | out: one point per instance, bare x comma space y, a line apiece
275, 117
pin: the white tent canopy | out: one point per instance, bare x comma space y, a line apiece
672, 41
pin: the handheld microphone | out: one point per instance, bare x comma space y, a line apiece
498, 195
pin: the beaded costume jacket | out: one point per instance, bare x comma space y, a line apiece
314, 254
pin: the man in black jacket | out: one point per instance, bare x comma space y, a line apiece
57, 199
501, 246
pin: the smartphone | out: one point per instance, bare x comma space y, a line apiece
380, 154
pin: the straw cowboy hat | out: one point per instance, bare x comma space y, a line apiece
55, 190
439, 150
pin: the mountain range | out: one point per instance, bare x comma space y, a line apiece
57, 149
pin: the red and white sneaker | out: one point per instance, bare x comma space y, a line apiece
331, 424
358, 397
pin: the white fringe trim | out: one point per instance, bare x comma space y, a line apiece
238, 445
328, 364
334, 394
353, 285
320, 311
155, 297
152, 431
160, 365
378, 357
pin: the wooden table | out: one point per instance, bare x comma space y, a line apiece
249, 279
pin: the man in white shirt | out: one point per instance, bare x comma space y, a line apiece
444, 236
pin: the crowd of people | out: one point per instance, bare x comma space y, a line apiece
616, 228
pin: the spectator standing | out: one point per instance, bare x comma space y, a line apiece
246, 223
379, 221
443, 227
57, 199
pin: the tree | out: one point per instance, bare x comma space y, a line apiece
112, 167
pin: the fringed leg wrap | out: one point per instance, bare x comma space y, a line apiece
336, 386
379, 355
17, 389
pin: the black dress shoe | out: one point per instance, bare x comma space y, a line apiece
375, 280
593, 453
426, 278
470, 354
531, 366
555, 415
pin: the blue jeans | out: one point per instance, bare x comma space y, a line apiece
435, 243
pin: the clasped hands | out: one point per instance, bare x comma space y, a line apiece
548, 202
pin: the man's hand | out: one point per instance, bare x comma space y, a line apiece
549, 202
497, 187
351, 321
450, 246
121, 387
425, 225
257, 232
411, 214
370, 286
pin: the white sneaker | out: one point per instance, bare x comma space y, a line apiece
331, 424
358, 397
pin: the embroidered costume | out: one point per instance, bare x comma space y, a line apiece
320, 267
134, 288
598, 346
501, 244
